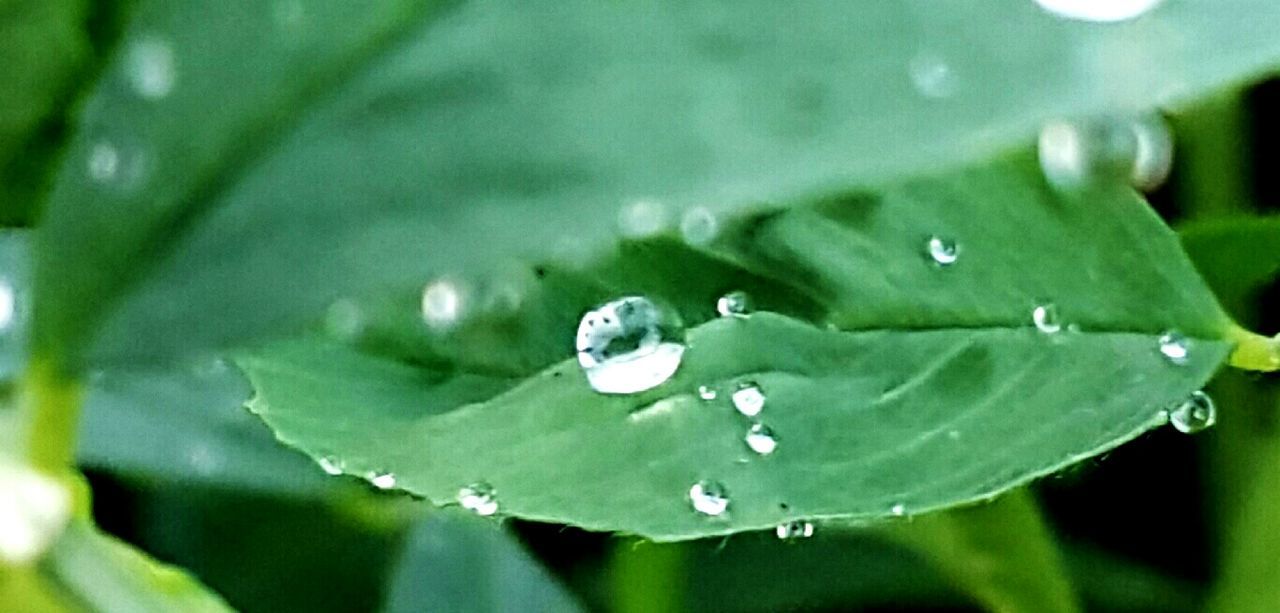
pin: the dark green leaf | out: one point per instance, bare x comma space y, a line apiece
294, 157
1237, 256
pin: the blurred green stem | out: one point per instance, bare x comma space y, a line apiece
1000, 553
646, 577
50, 405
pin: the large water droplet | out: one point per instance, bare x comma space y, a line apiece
629, 345
1175, 347
151, 67
642, 218
794, 530
748, 399
1154, 159
1137, 150
382, 480
1194, 414
943, 252
699, 226
733, 304
1045, 317
709, 498
761, 439
932, 76
479, 498
443, 303
330, 465
1104, 11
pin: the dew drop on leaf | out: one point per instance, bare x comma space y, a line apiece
748, 399
1045, 317
1133, 150
382, 480
733, 304
116, 167
709, 498
1153, 160
629, 345
1175, 347
794, 530
898, 510
479, 498
443, 302
1102, 11
1195, 414
699, 226
943, 252
330, 465
761, 439
642, 218
932, 75
706, 392
151, 67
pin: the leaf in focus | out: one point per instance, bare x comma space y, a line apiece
938, 391
456, 563
240, 167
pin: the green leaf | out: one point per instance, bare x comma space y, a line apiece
943, 393
296, 157
110, 576
15, 301
456, 563
1237, 256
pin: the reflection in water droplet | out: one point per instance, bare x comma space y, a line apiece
1175, 347
943, 252
932, 76
629, 345
479, 498
709, 498
761, 439
699, 226
344, 320
1154, 159
642, 218
8, 304
382, 481
898, 510
1195, 414
1046, 318
1104, 11
794, 530
748, 399
733, 304
330, 465
151, 67
443, 302
706, 392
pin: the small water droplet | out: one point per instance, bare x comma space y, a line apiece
761, 439
1175, 347
709, 498
443, 303
734, 303
706, 392
382, 480
8, 304
151, 67
629, 345
204, 459
794, 530
642, 218
943, 252
1102, 11
748, 399
344, 319
479, 498
330, 465
104, 162
1195, 414
699, 226
898, 510
1045, 317
116, 167
932, 76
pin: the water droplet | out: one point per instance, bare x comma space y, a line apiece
443, 302
699, 226
8, 304
117, 167
794, 530
1075, 154
932, 76
642, 218
344, 319
330, 465
706, 392
1104, 11
479, 498
761, 439
629, 345
151, 67
1153, 160
709, 498
204, 460
733, 304
1195, 414
898, 510
381, 480
104, 162
1175, 347
1045, 317
943, 252
748, 399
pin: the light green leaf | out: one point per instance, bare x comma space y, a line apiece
943, 391
293, 157
110, 576
455, 563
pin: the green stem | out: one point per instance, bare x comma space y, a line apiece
1254, 351
50, 404
647, 577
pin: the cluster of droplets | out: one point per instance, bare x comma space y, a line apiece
479, 498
